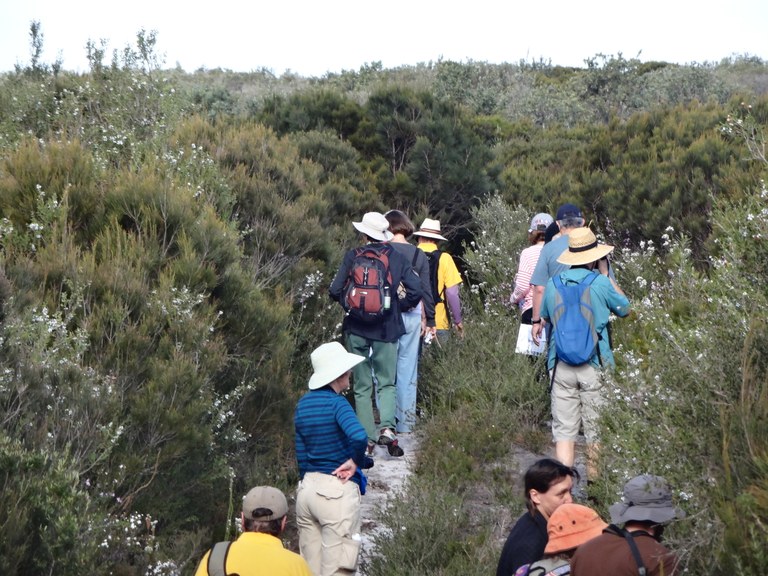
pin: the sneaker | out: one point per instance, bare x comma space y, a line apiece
394, 449
388, 439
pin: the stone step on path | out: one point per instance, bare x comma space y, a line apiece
387, 480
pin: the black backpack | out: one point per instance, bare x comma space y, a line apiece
434, 263
368, 291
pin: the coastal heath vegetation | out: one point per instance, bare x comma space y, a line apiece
166, 244
688, 399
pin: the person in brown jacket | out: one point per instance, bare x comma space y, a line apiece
644, 511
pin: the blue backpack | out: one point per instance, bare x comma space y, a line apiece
574, 334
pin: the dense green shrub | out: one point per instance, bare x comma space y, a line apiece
164, 262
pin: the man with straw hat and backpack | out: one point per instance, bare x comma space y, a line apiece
579, 302
444, 278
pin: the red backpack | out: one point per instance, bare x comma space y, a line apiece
367, 293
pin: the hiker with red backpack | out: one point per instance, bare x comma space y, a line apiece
579, 302
367, 286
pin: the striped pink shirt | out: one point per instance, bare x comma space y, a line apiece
523, 294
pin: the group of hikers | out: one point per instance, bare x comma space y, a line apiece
398, 297
556, 536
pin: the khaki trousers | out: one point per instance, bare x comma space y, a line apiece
328, 516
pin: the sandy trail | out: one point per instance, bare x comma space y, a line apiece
386, 480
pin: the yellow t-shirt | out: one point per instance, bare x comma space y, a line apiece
259, 554
447, 276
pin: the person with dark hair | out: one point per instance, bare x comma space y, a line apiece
522, 295
552, 232
330, 450
418, 321
645, 509
258, 551
548, 485
375, 337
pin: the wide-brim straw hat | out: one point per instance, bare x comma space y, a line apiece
647, 498
430, 229
374, 225
583, 248
329, 361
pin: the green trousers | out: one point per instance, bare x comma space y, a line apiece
379, 369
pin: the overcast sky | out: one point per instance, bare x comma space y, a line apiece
311, 38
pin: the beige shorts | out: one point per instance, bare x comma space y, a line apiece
577, 397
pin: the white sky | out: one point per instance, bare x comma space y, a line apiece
312, 37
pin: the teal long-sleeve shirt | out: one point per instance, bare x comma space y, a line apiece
328, 433
605, 299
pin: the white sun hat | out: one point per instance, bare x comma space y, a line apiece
374, 225
329, 361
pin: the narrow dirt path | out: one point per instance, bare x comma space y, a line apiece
386, 480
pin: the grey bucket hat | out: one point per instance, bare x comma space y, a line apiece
647, 498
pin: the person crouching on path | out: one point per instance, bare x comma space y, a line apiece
258, 551
643, 512
570, 526
577, 390
330, 449
548, 485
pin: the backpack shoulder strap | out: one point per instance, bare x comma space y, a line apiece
217, 560
563, 570
627, 535
590, 278
415, 257
437, 255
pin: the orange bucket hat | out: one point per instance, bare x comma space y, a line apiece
570, 526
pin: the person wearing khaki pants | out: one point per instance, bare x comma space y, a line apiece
328, 515
330, 450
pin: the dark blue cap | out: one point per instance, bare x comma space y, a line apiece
568, 211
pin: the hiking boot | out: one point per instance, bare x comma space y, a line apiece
387, 438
